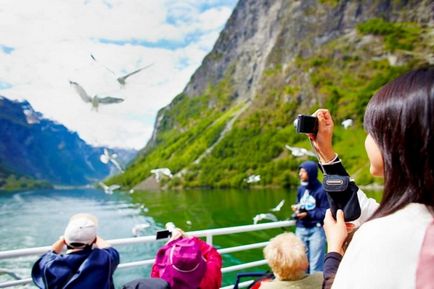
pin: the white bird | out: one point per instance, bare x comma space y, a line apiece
131, 191
10, 273
188, 222
278, 207
266, 216
95, 100
109, 189
347, 123
107, 157
299, 152
122, 79
160, 172
138, 228
253, 179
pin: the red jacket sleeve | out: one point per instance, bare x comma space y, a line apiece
154, 272
213, 274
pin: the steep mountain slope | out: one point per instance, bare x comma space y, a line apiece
273, 60
38, 148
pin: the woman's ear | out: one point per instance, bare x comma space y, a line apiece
375, 157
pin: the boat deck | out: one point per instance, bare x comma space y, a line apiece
207, 234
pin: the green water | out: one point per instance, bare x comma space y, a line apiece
37, 218
217, 209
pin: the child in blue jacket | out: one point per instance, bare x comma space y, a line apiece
88, 263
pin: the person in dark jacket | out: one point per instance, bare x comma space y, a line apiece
147, 283
309, 212
88, 263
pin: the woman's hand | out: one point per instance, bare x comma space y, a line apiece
336, 231
176, 234
322, 141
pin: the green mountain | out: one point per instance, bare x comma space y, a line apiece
273, 60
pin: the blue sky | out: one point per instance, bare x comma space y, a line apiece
47, 43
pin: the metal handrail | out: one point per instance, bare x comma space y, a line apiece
208, 234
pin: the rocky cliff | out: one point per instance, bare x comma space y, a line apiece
273, 60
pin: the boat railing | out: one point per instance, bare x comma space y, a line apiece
208, 234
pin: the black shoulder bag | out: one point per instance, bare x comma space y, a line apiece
342, 194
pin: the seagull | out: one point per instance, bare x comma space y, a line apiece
266, 216
107, 157
347, 123
138, 228
278, 207
299, 152
95, 100
253, 179
109, 189
160, 172
10, 273
122, 79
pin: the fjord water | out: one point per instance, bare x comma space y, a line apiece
38, 218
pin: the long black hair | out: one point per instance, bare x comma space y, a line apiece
400, 118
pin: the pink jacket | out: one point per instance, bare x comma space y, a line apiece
213, 275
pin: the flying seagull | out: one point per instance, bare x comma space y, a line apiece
347, 123
160, 172
278, 207
122, 79
109, 189
107, 157
138, 228
253, 179
267, 216
10, 273
95, 100
299, 152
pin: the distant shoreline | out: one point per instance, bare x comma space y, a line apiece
66, 187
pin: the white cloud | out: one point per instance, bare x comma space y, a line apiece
214, 18
53, 40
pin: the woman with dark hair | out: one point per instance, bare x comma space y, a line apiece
393, 249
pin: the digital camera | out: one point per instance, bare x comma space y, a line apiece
306, 124
299, 209
164, 234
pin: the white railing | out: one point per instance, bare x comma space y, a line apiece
208, 234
